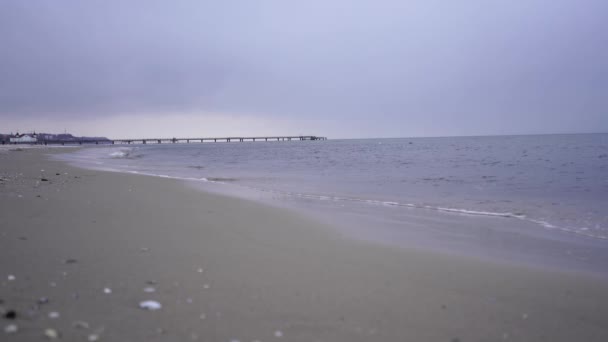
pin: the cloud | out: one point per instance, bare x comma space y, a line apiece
497, 66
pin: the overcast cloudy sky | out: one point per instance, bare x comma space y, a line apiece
342, 68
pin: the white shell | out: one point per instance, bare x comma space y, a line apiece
150, 305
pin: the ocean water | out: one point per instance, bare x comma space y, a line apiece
556, 185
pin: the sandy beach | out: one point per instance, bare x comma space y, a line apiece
80, 250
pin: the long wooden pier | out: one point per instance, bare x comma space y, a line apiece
145, 141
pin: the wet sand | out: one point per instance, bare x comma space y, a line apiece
90, 244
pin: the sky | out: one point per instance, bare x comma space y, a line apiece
336, 68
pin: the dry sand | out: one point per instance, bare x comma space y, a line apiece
267, 274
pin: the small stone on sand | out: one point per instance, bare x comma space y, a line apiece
53, 315
10, 314
11, 277
149, 289
80, 325
107, 290
51, 334
150, 305
93, 337
278, 333
11, 329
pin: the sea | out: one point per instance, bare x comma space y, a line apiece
538, 199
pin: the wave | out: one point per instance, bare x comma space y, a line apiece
582, 231
126, 153
508, 215
118, 154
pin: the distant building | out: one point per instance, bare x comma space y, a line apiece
24, 138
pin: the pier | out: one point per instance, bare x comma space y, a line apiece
145, 141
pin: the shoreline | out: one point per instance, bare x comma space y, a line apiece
267, 274
509, 239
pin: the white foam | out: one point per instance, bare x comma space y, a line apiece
118, 154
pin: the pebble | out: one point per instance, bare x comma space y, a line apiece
93, 337
43, 300
80, 325
149, 289
51, 334
11, 277
206, 286
70, 261
53, 315
10, 314
278, 333
11, 329
107, 290
150, 305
